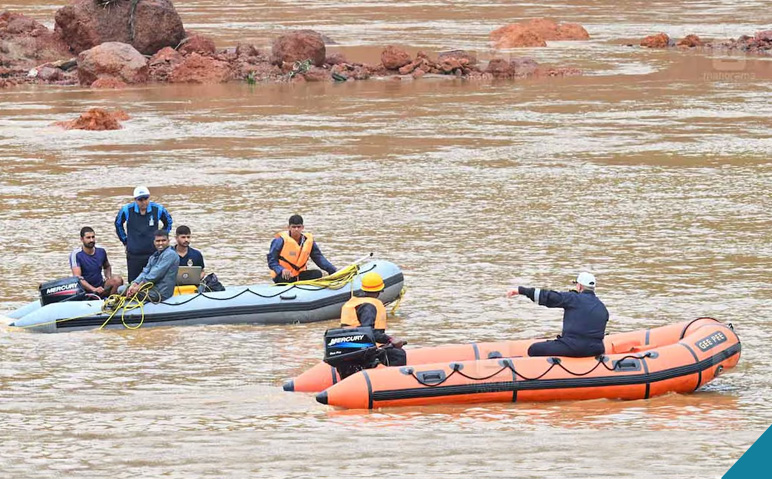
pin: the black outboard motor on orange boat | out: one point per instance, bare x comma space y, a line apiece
350, 350
58, 290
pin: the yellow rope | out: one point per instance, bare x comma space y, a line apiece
116, 303
336, 280
399, 300
124, 304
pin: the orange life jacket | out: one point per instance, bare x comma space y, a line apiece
348, 315
292, 256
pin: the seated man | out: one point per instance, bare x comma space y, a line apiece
369, 311
87, 263
161, 271
188, 256
289, 254
584, 319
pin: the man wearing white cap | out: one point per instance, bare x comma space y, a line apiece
142, 218
584, 319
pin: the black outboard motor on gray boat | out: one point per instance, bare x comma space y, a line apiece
350, 350
58, 290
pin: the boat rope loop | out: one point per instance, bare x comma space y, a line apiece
115, 303
554, 361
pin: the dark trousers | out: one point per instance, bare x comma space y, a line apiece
558, 347
396, 357
303, 276
136, 263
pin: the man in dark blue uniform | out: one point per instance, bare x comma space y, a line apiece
189, 256
142, 219
584, 319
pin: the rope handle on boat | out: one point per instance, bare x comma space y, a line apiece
509, 365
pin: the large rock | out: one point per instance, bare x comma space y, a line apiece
470, 57
112, 60
500, 68
516, 36
299, 46
25, 43
197, 43
660, 40
96, 119
535, 33
690, 41
196, 68
394, 58
85, 24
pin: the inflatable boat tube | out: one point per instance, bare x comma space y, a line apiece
258, 304
704, 352
321, 376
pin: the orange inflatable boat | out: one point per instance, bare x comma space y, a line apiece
322, 375
678, 358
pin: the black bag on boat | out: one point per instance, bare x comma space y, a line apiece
58, 290
210, 283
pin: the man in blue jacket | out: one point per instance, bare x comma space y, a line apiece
142, 218
584, 319
161, 271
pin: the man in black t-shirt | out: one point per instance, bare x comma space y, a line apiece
188, 256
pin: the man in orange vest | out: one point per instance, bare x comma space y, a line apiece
290, 252
369, 311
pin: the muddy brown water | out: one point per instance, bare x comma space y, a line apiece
653, 171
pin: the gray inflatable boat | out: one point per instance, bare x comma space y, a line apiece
257, 304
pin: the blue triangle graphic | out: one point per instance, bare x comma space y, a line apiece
754, 462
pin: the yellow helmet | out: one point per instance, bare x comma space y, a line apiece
372, 282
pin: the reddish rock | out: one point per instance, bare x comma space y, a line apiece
690, 41
112, 60
500, 68
763, 36
247, 51
198, 44
535, 33
49, 74
418, 73
299, 46
660, 40
394, 58
84, 24
471, 58
410, 67
335, 59
524, 66
25, 43
108, 84
197, 68
95, 119
316, 74
162, 64
516, 36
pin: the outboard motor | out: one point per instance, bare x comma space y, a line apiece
350, 350
58, 290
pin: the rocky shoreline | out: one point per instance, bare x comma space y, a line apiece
115, 43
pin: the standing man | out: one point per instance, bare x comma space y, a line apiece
142, 219
87, 263
289, 254
369, 311
584, 319
161, 270
188, 256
